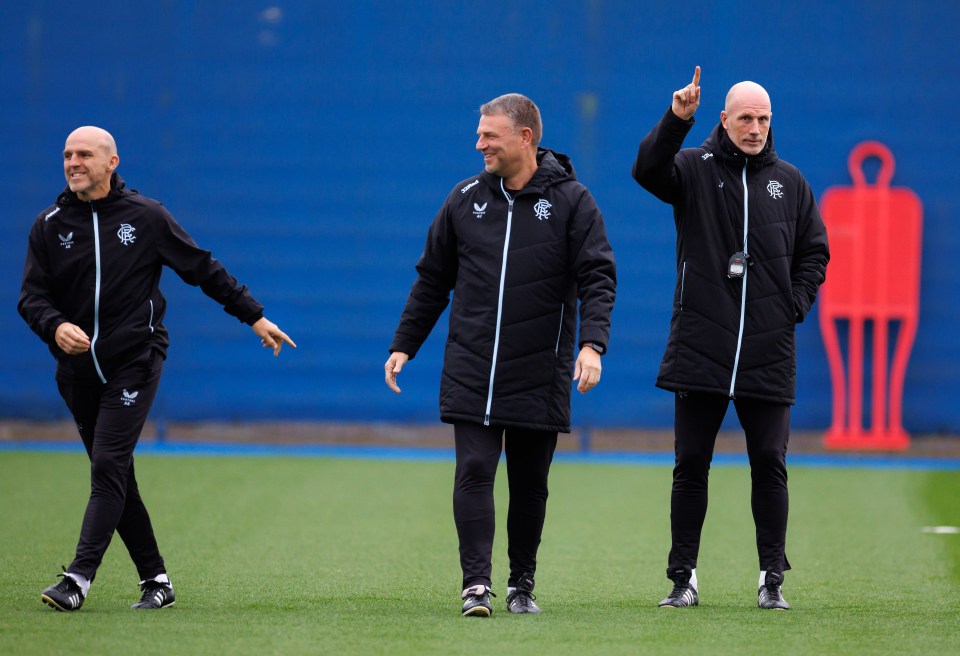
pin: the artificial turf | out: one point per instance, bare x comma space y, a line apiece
274, 555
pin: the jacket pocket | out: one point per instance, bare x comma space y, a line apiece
681, 283
556, 347
150, 318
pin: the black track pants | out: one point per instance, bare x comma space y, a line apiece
110, 417
767, 428
529, 454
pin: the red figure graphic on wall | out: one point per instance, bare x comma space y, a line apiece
874, 278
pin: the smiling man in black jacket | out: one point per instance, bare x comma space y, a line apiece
751, 254
518, 245
91, 292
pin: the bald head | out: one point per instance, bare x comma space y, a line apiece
97, 136
746, 116
89, 160
748, 93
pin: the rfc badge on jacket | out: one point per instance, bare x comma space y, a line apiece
542, 209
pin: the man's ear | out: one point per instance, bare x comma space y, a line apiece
527, 135
723, 119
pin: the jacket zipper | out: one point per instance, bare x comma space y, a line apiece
743, 295
96, 297
556, 348
150, 321
503, 278
683, 281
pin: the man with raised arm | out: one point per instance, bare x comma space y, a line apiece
751, 253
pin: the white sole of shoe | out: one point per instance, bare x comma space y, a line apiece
477, 611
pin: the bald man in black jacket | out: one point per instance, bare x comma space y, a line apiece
91, 292
751, 254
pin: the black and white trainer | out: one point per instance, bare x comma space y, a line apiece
65, 595
684, 591
520, 598
769, 595
154, 595
476, 601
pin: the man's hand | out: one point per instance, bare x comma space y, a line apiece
687, 99
393, 367
271, 336
587, 369
71, 339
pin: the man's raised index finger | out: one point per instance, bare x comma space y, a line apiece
696, 76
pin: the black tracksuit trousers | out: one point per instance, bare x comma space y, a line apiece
697, 418
529, 454
109, 418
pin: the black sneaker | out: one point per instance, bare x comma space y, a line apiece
520, 598
683, 593
476, 601
769, 595
64, 595
155, 595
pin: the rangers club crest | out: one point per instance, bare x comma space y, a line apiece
542, 209
125, 233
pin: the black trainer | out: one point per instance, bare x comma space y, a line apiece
64, 595
769, 595
683, 593
155, 595
520, 598
476, 601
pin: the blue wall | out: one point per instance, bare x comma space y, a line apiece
309, 145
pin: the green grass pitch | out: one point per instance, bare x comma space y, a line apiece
339, 556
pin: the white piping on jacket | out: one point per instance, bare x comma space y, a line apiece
503, 278
96, 297
743, 297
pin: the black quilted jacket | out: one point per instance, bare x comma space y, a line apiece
718, 343
516, 270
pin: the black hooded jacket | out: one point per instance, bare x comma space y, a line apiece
516, 268
97, 264
718, 344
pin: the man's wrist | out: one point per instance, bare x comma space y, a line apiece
599, 348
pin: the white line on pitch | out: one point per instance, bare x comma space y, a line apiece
941, 529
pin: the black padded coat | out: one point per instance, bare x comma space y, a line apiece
517, 264
720, 342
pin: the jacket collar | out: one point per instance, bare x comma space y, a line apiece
552, 168
721, 145
117, 189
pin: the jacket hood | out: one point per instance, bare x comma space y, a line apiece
552, 168
720, 143
117, 186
